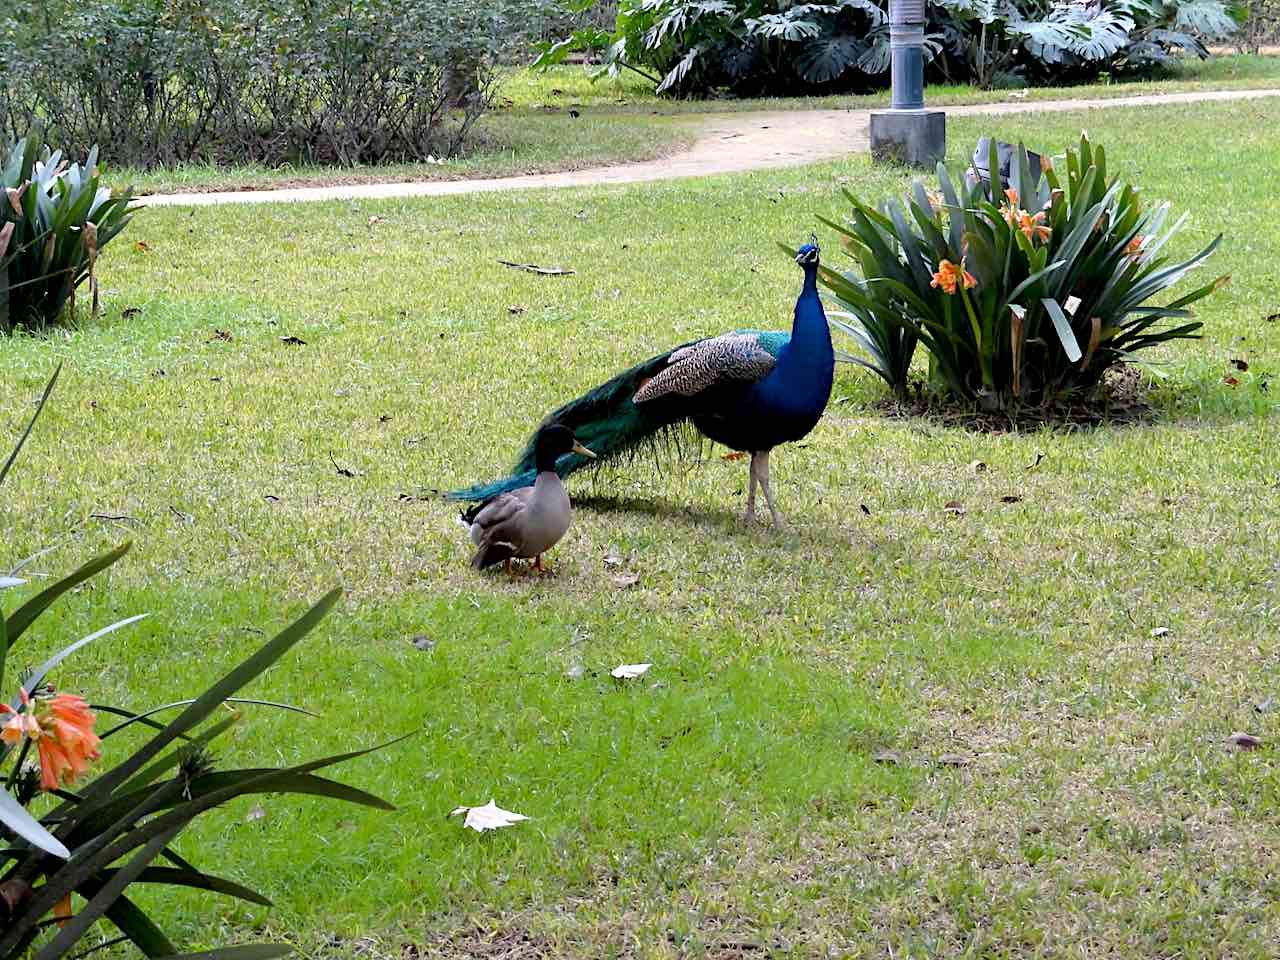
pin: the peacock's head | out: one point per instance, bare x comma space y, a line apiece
553, 442
807, 256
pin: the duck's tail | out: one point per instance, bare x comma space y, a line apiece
605, 420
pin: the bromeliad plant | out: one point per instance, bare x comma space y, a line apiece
1023, 295
72, 851
55, 217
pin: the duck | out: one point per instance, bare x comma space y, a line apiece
526, 522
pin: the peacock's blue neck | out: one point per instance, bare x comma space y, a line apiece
809, 351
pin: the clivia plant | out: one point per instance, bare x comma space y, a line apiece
1023, 293
84, 817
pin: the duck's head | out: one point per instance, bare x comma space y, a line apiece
552, 443
807, 256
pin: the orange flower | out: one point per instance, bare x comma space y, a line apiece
949, 275
1012, 194
62, 728
1134, 247
1032, 225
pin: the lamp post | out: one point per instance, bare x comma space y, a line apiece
907, 133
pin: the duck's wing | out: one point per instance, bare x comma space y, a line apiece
496, 527
740, 357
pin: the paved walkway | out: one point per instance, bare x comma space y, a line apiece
727, 143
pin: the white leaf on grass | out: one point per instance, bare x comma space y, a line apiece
629, 671
489, 817
1160, 631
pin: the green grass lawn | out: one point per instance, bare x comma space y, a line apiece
533, 128
732, 802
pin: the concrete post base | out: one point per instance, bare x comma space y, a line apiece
916, 138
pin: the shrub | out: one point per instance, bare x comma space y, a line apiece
160, 82
1022, 297
1259, 24
55, 218
692, 47
106, 835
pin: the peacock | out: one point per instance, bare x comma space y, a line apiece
749, 390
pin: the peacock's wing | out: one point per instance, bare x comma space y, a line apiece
739, 357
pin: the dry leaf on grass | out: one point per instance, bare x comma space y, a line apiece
1011, 498
1160, 631
954, 760
954, 507
629, 671
977, 466
1243, 741
293, 341
541, 271
624, 580
489, 817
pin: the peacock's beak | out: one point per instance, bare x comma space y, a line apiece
579, 448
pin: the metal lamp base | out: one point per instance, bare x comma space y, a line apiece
914, 138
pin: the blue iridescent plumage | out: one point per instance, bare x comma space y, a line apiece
750, 390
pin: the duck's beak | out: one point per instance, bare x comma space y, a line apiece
579, 448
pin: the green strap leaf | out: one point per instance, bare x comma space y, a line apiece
26, 614
207, 702
8, 464
196, 880
1063, 327
16, 818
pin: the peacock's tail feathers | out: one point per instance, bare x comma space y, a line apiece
606, 421
609, 423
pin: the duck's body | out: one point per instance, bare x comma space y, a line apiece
525, 523
750, 390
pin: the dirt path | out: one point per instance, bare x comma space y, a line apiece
727, 143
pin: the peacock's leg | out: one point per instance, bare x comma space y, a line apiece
768, 493
750, 515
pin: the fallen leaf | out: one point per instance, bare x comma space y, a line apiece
342, 471
385, 418
142, 246
580, 215
488, 817
223, 335
1071, 305
293, 341
1230, 381
954, 507
575, 114
1240, 365
1265, 706
735, 455
624, 580
128, 313
865, 509
1160, 632
977, 466
1011, 498
271, 498
1273, 317
613, 558
954, 760
576, 671
1039, 456
257, 813
516, 309
423, 643
184, 517
541, 271
1243, 741
886, 756
629, 671
1018, 94
375, 220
